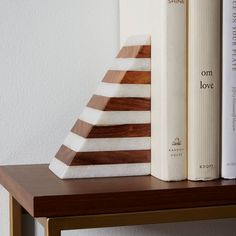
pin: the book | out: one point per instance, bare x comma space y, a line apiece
112, 135
168, 116
229, 90
204, 89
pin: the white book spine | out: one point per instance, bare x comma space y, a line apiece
229, 90
169, 74
204, 97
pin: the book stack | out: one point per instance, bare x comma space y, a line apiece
188, 131
197, 28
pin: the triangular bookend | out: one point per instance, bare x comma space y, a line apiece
112, 135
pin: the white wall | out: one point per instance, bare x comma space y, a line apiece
52, 54
135, 18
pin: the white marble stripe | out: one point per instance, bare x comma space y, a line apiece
131, 64
97, 117
89, 171
138, 40
124, 90
80, 144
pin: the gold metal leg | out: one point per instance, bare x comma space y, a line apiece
15, 218
51, 229
54, 226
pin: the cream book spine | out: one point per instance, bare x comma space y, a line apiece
168, 116
229, 91
204, 93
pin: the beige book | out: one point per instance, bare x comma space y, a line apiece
228, 164
168, 93
204, 75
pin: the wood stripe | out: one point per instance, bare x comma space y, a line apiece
127, 77
87, 130
140, 51
71, 158
119, 104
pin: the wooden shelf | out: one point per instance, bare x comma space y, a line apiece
42, 194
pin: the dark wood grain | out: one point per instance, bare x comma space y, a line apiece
127, 77
87, 130
42, 194
72, 158
119, 104
140, 51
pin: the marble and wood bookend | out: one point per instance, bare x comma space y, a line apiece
112, 135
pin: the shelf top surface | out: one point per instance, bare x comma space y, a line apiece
43, 194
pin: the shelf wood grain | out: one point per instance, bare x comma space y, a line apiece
42, 194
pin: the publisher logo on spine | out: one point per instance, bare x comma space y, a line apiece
176, 1
176, 142
176, 150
